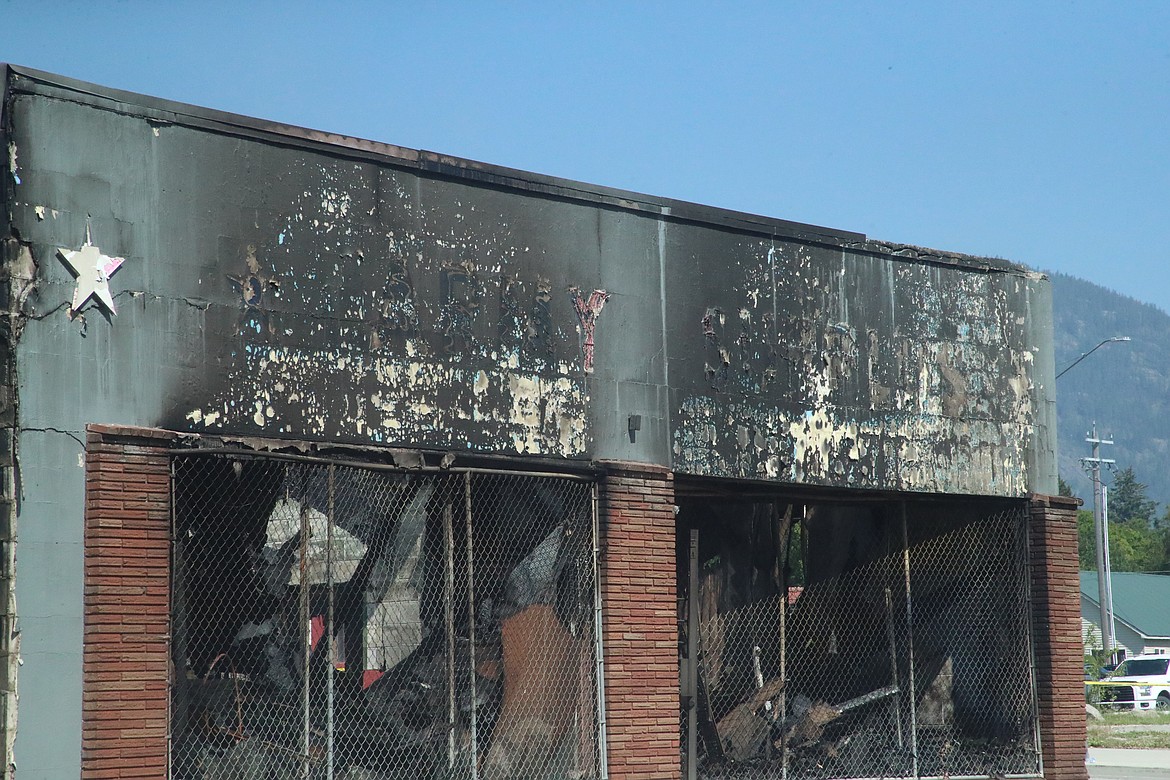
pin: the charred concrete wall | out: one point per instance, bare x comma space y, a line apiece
287, 284
288, 291
853, 366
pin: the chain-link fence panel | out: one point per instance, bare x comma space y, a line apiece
337, 621
838, 641
239, 655
531, 608
976, 713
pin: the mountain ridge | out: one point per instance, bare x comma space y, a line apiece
1124, 388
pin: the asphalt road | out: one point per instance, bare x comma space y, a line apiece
1120, 764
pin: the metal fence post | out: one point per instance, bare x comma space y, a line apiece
307, 630
692, 670
910, 643
332, 629
783, 703
449, 619
471, 624
598, 647
897, 700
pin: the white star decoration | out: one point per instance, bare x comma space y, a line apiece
93, 271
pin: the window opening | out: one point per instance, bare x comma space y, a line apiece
835, 640
335, 621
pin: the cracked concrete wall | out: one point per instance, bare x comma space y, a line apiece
276, 286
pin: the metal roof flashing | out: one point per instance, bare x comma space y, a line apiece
30, 81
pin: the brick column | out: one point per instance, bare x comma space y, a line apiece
640, 623
125, 695
1056, 629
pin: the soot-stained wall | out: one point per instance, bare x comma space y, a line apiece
850, 367
295, 290
287, 284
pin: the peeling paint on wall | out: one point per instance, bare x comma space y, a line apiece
20, 271
366, 315
362, 301
12, 168
839, 369
286, 392
897, 452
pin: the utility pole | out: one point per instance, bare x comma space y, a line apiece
1101, 537
1108, 565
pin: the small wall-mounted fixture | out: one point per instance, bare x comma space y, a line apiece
635, 425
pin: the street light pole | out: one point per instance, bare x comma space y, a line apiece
1100, 535
1100, 518
1084, 355
1108, 564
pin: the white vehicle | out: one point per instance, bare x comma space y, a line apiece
1141, 682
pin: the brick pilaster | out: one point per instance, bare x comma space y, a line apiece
1056, 628
125, 695
640, 628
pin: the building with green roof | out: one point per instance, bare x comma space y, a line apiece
1141, 612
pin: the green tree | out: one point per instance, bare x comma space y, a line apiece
1086, 541
1162, 524
1128, 501
1063, 488
1132, 546
1135, 546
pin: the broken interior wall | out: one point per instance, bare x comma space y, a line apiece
288, 284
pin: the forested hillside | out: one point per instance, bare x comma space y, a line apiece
1124, 387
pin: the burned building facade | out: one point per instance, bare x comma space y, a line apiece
332, 459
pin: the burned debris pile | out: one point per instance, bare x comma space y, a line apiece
335, 621
825, 641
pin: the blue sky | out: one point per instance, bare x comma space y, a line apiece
1038, 132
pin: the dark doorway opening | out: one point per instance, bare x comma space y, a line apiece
847, 639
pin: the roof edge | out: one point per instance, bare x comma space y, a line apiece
37, 82
19, 79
